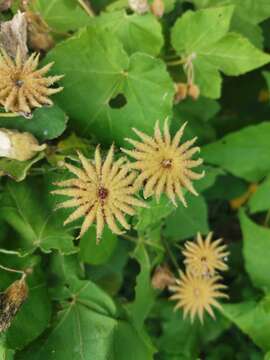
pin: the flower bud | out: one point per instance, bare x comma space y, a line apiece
181, 90
18, 146
193, 91
158, 8
139, 6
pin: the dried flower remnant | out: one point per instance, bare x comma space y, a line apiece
13, 36
204, 257
18, 146
102, 192
10, 302
164, 164
158, 8
39, 37
197, 295
139, 6
162, 277
23, 86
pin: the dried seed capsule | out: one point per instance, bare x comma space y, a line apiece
18, 146
158, 8
139, 6
193, 91
181, 90
11, 301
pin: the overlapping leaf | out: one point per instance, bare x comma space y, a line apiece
107, 92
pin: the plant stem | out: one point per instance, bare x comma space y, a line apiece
267, 218
9, 114
176, 62
12, 270
86, 8
170, 253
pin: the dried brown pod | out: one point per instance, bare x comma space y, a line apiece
5, 4
11, 301
13, 36
39, 37
181, 90
162, 277
139, 6
18, 146
158, 8
193, 91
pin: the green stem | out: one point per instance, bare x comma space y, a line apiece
170, 254
12, 270
176, 62
267, 218
9, 114
86, 8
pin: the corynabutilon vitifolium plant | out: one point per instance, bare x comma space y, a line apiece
134, 179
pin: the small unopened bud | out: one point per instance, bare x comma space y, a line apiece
181, 90
193, 91
158, 8
162, 278
18, 146
139, 6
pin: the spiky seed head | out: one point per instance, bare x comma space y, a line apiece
164, 164
204, 257
102, 192
197, 295
23, 87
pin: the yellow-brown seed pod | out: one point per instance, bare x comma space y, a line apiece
18, 146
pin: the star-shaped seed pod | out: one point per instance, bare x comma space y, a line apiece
164, 164
24, 87
204, 257
197, 295
102, 192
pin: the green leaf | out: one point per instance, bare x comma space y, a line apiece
256, 251
144, 292
5, 353
254, 11
89, 327
149, 218
253, 319
208, 78
186, 222
47, 123
260, 200
25, 206
112, 90
235, 55
179, 337
244, 153
96, 254
18, 170
61, 15
250, 31
195, 31
34, 315
136, 32
203, 37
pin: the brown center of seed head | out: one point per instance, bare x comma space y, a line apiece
102, 193
203, 258
166, 163
19, 83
